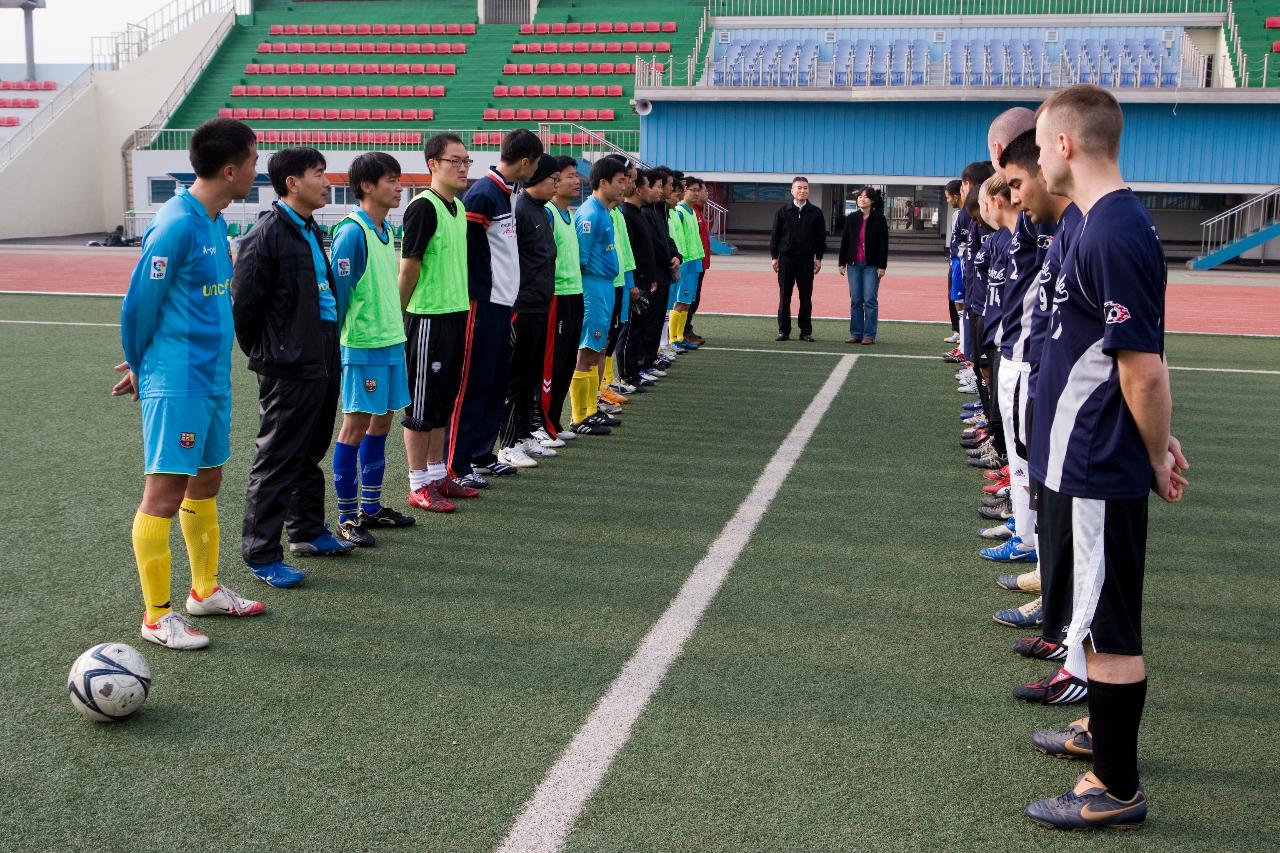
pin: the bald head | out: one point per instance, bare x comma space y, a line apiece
1008, 126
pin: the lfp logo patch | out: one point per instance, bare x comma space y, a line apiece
187, 440
159, 266
371, 385
343, 267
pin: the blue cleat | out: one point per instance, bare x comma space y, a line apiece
1090, 806
973, 405
324, 545
1009, 552
1029, 615
279, 574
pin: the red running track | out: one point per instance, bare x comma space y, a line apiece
1238, 307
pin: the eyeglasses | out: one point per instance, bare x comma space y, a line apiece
457, 161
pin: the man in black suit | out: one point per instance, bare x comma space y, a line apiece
797, 244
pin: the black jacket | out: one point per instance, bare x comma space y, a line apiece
798, 231
275, 301
640, 232
664, 247
537, 247
877, 240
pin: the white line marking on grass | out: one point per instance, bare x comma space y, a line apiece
547, 818
60, 293
1225, 370
57, 323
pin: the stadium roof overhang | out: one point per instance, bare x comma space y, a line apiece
950, 94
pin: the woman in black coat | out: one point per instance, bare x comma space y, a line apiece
864, 255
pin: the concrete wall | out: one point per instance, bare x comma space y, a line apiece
80, 152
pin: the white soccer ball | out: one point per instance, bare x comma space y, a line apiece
109, 682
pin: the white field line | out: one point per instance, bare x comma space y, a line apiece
547, 818
936, 358
732, 349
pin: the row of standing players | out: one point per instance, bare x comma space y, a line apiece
500, 304
1058, 277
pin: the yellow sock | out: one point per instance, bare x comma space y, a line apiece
581, 400
199, 521
608, 372
151, 550
676, 325
684, 323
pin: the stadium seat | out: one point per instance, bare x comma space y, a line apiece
589, 28
564, 91
223, 112
555, 68
506, 115
542, 68
425, 91
535, 91
480, 137
614, 92
590, 114
587, 68
606, 115
240, 113
557, 29
526, 29
605, 27
495, 137
598, 91
525, 68
573, 115
524, 115
329, 91
517, 48
581, 91
555, 115
540, 115
541, 29
629, 47
645, 47
347, 114
637, 26
662, 47
362, 115
573, 28
276, 30
571, 68
510, 68
395, 115
515, 91
378, 115
501, 91
1273, 23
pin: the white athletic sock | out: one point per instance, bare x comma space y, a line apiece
436, 471
418, 478
665, 340
1024, 516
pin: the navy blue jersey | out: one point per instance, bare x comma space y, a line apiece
1065, 232
975, 288
1109, 296
996, 248
1028, 248
493, 259
959, 232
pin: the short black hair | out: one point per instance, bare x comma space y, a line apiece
693, 182
435, 146
977, 172
292, 163
678, 175
520, 144
642, 178
1023, 152
604, 170
563, 162
371, 168
798, 178
219, 142
953, 187
876, 197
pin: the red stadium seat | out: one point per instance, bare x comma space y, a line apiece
555, 68
271, 91
449, 68
1273, 23
380, 47
323, 47
597, 47
581, 47
379, 29
418, 68
313, 91
663, 47
573, 28
307, 47
572, 68
240, 113
605, 27
589, 28
264, 47
377, 115
625, 68
338, 47
653, 27
347, 114
280, 68
490, 115
437, 29
629, 47
406, 91
645, 47
433, 68
425, 91
536, 91
276, 30
314, 114
311, 68
524, 115
293, 47
614, 92
327, 68
344, 91
515, 91
526, 29
588, 68
525, 68
359, 91
223, 112
362, 115
452, 29
573, 115
251, 68
291, 29
564, 91
271, 113
437, 91
286, 113
410, 114
597, 91
557, 29
459, 48
555, 115
413, 48
399, 47
331, 115
272, 136
541, 29
393, 29
637, 26
581, 91
376, 92
237, 91
510, 68
386, 68
540, 115
395, 115
468, 29
542, 68
589, 114
506, 115
363, 29
669, 26
479, 137
295, 91
518, 48
533, 47
329, 91
606, 115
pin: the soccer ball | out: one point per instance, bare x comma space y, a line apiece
109, 682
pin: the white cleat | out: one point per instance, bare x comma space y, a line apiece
533, 448
223, 602
174, 631
544, 439
516, 457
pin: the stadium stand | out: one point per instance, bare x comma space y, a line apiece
348, 63
1115, 57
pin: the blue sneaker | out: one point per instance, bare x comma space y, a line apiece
1029, 615
1009, 552
681, 346
973, 405
279, 574
688, 344
324, 545
968, 414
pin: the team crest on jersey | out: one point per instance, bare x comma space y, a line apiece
436, 366
343, 266
371, 385
598, 335
1116, 313
1044, 241
159, 266
186, 440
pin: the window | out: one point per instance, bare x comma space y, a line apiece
341, 195
162, 189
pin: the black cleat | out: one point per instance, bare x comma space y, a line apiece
1075, 742
354, 532
1057, 688
386, 517
1039, 647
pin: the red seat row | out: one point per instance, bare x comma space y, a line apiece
313, 114
373, 29
18, 103
27, 86
1275, 47
494, 137
547, 115
1273, 23
592, 47
337, 91
606, 27
396, 47
355, 68
557, 91
343, 137
9, 121
567, 68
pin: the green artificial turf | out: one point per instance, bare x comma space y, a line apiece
846, 690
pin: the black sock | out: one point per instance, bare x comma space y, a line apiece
1115, 711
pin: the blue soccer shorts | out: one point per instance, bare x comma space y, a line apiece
374, 388
181, 435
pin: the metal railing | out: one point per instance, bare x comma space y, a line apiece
397, 138
829, 8
120, 48
1239, 222
44, 117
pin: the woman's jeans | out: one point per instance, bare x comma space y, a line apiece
864, 310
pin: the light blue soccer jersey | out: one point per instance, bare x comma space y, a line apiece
596, 250
175, 323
